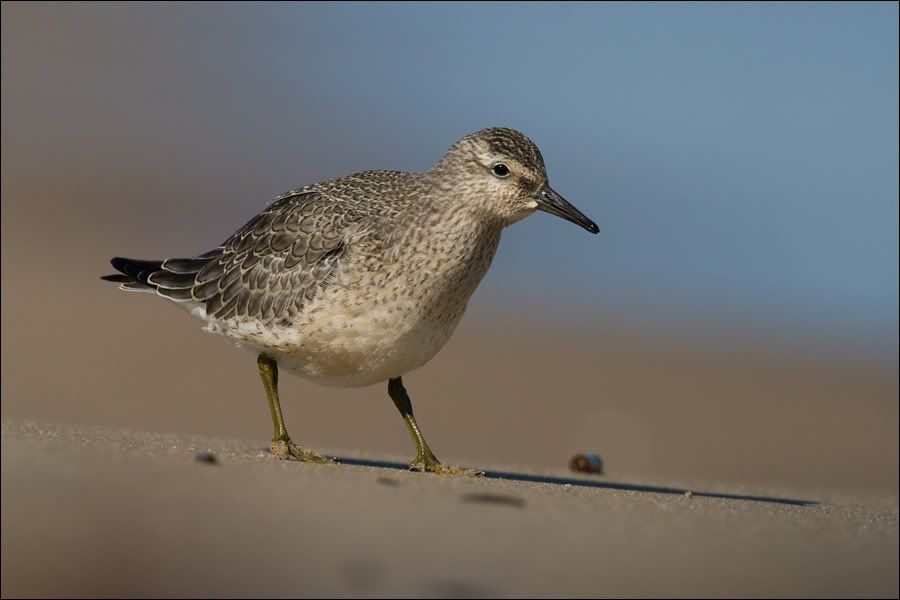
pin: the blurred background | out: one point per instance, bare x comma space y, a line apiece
735, 320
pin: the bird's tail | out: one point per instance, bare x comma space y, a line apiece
173, 278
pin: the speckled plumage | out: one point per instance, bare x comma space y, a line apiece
363, 278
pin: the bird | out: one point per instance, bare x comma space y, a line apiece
361, 279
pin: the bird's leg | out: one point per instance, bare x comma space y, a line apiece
282, 446
425, 459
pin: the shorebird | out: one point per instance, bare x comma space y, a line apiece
361, 279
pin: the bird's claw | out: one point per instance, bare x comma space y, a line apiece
430, 464
285, 449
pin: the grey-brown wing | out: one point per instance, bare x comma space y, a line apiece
270, 268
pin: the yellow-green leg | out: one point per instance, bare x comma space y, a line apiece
425, 459
282, 446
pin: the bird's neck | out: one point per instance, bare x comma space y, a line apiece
465, 241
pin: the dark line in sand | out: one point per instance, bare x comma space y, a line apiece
607, 485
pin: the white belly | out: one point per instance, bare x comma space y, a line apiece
341, 343
366, 350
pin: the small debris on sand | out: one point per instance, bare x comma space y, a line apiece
206, 457
587, 463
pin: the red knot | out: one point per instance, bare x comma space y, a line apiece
361, 279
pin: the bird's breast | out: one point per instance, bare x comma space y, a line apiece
382, 319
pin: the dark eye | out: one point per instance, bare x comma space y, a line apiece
500, 170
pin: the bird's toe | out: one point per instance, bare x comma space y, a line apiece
285, 449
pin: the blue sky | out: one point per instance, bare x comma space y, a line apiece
740, 159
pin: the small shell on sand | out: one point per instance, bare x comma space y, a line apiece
586, 463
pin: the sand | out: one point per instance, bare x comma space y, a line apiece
91, 511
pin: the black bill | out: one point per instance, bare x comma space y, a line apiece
551, 202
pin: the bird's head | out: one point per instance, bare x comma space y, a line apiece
502, 172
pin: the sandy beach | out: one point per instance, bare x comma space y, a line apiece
107, 512
790, 453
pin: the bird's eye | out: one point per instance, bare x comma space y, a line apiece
500, 170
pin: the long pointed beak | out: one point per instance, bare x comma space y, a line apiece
551, 202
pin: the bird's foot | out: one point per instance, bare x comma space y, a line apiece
427, 462
285, 449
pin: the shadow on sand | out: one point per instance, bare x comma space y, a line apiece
607, 485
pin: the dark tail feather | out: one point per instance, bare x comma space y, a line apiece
139, 270
117, 278
172, 278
